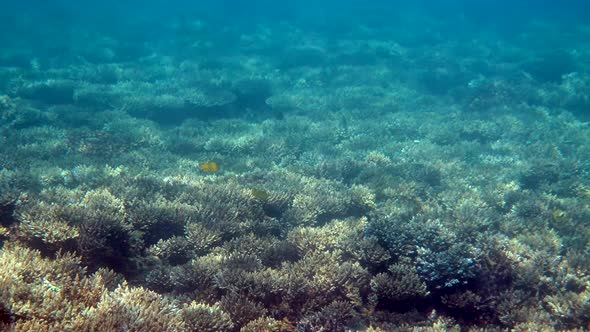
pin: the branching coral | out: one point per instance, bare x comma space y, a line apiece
400, 283
268, 324
48, 294
206, 318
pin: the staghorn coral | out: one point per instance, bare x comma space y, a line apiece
310, 283
568, 299
400, 283
95, 220
347, 236
50, 232
224, 207
268, 324
132, 309
269, 250
56, 294
206, 318
440, 259
336, 316
308, 201
173, 251
43, 225
241, 309
200, 238
52, 291
456, 265
159, 218
196, 279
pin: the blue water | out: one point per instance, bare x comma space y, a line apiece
297, 165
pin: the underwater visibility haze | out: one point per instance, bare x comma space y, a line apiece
294, 166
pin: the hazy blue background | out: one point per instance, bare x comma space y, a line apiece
111, 15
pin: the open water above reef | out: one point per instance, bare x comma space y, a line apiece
294, 166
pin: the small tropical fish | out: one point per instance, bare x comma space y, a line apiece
260, 194
209, 167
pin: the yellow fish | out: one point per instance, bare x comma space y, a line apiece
260, 194
209, 167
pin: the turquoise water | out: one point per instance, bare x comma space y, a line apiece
297, 166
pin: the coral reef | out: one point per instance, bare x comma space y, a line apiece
228, 176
